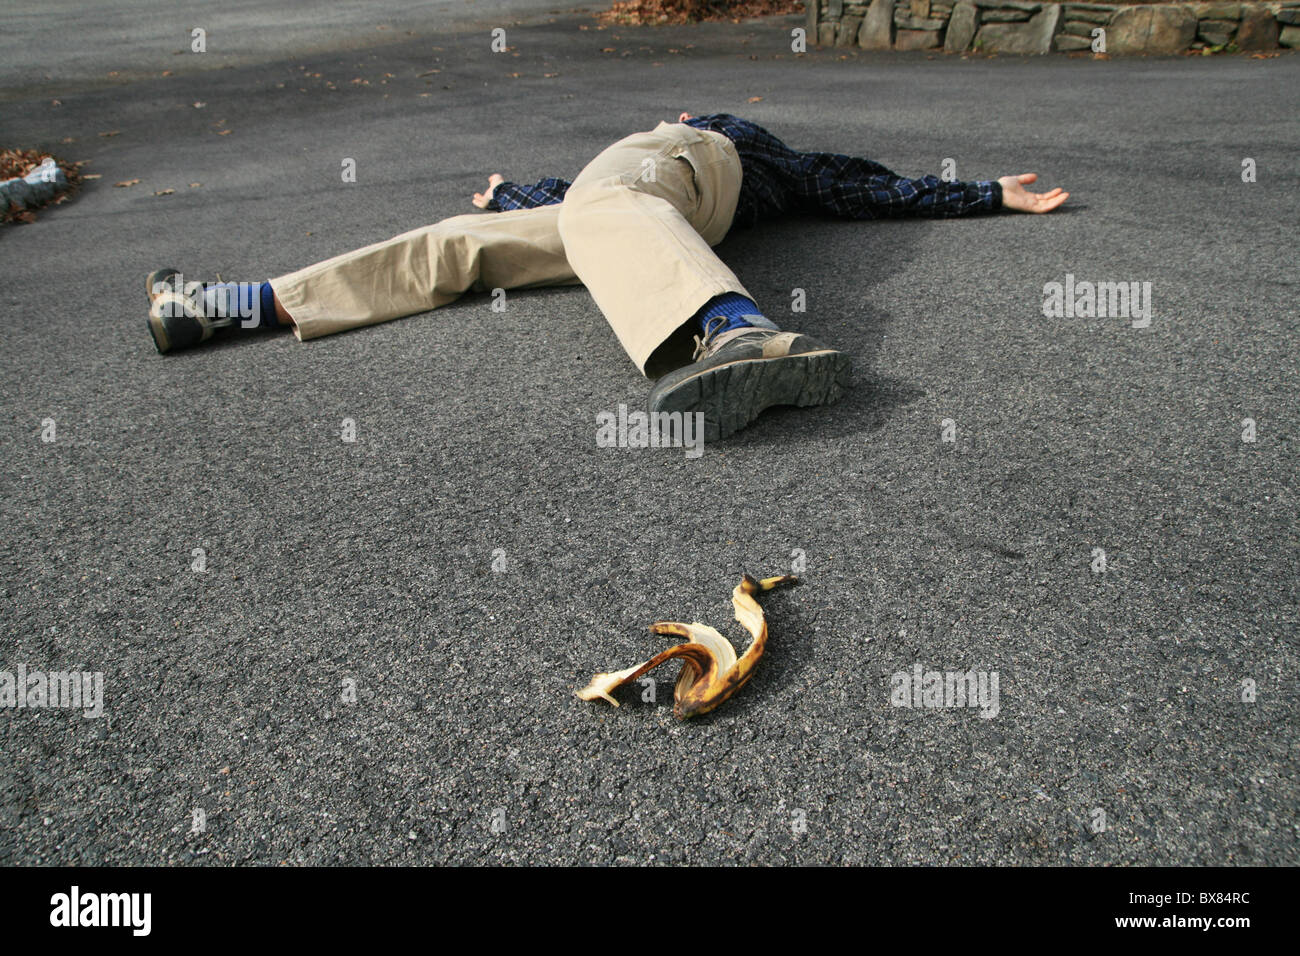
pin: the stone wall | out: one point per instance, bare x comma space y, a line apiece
1025, 26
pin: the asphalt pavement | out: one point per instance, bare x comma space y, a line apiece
321, 651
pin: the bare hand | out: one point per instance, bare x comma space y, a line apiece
1016, 197
684, 117
481, 199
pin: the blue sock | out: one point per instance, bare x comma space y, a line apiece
736, 312
268, 306
241, 303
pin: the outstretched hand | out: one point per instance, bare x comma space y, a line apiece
482, 199
1016, 197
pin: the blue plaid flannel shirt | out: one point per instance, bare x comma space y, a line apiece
777, 179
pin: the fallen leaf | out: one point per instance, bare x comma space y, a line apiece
68, 139
112, 132
224, 132
93, 176
164, 192
127, 182
56, 102
198, 105
756, 99
195, 185
429, 72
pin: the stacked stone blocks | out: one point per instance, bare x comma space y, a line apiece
1029, 27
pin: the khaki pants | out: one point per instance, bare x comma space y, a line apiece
636, 227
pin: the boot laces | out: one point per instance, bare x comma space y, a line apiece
702, 345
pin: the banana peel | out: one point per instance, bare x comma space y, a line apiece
711, 671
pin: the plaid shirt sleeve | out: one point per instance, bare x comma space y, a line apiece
853, 188
778, 179
545, 192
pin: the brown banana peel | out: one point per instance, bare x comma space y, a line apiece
711, 672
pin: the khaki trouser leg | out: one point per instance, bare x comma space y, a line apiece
638, 223
426, 268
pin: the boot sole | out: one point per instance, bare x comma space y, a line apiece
156, 328
173, 325
155, 278
159, 333
731, 396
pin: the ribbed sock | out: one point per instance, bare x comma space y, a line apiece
247, 305
738, 311
269, 318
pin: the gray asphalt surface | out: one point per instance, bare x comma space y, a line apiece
1120, 692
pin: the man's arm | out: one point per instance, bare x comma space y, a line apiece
854, 188
882, 193
503, 195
